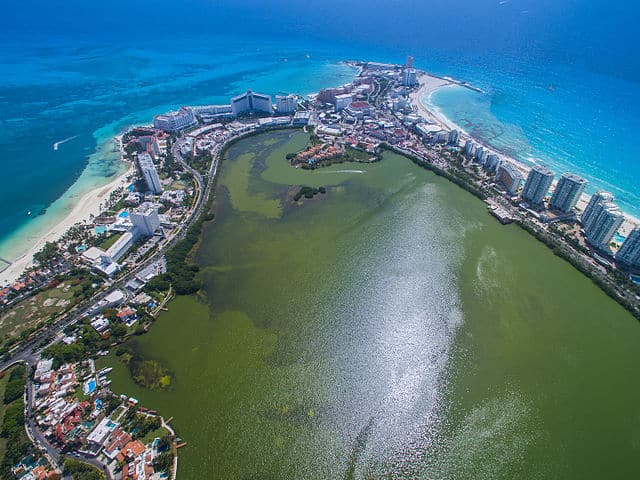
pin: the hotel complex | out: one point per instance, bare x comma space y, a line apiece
175, 121
250, 102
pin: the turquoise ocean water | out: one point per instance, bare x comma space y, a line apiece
561, 81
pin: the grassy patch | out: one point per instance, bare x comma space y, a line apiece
108, 241
3, 407
157, 433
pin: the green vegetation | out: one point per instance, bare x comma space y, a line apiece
163, 462
141, 425
15, 386
108, 241
62, 294
16, 443
308, 192
81, 471
145, 372
201, 162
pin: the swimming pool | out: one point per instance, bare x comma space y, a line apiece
89, 387
100, 229
619, 238
123, 214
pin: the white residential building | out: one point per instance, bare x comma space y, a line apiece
409, 77
343, 101
606, 220
537, 185
286, 104
598, 198
567, 192
509, 177
629, 253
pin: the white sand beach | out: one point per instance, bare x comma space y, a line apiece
429, 84
83, 208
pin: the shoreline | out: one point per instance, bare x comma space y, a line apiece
81, 209
429, 84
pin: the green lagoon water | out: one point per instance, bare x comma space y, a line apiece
388, 329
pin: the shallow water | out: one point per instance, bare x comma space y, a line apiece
388, 329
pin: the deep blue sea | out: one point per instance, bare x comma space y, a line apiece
562, 80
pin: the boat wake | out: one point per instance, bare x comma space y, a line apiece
57, 144
344, 171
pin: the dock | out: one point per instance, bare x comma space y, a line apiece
501, 213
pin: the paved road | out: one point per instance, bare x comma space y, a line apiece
30, 351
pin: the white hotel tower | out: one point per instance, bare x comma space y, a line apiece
629, 253
537, 185
149, 172
567, 192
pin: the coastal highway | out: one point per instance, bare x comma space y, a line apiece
30, 351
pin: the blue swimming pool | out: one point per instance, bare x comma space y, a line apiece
100, 229
123, 214
619, 238
89, 387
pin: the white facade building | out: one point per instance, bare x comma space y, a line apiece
537, 185
145, 219
605, 221
509, 177
567, 192
175, 121
286, 104
629, 253
469, 148
149, 172
343, 101
249, 102
409, 77
597, 199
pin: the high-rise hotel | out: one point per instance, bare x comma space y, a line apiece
629, 253
601, 220
537, 185
567, 192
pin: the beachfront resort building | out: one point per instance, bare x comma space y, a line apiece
469, 148
251, 102
409, 77
149, 172
492, 163
481, 155
175, 121
454, 137
286, 104
629, 253
567, 192
509, 177
598, 198
343, 101
537, 185
145, 219
604, 221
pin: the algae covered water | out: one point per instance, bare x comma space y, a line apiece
389, 328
